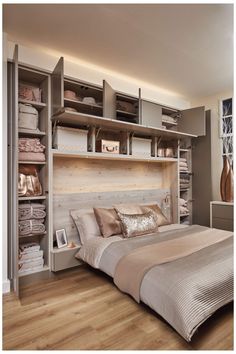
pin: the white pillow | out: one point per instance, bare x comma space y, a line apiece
86, 224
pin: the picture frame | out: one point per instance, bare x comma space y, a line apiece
61, 238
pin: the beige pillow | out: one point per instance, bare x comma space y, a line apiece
128, 208
108, 221
86, 224
161, 219
138, 224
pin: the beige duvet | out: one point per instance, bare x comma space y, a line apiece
185, 290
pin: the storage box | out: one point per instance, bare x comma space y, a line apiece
109, 146
70, 139
28, 117
141, 146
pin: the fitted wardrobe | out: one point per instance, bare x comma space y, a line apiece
161, 153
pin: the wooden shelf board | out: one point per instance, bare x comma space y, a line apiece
32, 235
65, 249
32, 162
184, 215
185, 172
30, 133
41, 197
127, 98
106, 156
45, 268
77, 119
184, 150
80, 103
33, 103
125, 113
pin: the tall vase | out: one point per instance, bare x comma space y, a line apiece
224, 174
229, 186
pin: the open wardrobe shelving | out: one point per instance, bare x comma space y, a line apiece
97, 112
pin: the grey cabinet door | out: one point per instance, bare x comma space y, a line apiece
201, 181
151, 114
193, 121
57, 87
109, 101
13, 154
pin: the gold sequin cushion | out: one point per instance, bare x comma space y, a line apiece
138, 224
162, 220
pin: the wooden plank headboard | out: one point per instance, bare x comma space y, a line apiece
87, 183
63, 203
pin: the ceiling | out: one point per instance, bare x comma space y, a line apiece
184, 48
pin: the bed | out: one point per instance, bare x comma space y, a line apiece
184, 291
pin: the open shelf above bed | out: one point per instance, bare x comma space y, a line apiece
77, 119
106, 156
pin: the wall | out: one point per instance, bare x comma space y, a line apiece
212, 103
44, 58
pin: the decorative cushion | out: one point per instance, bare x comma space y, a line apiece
86, 224
108, 221
138, 224
128, 209
161, 219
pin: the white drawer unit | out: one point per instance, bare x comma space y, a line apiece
141, 147
70, 139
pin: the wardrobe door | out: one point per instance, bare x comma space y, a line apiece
193, 121
109, 101
13, 177
57, 87
202, 179
139, 106
151, 114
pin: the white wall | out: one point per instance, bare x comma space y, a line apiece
212, 103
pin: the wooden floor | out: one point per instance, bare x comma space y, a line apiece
82, 309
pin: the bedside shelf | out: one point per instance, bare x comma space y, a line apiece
65, 249
63, 258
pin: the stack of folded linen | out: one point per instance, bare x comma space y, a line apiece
183, 206
183, 166
31, 150
168, 119
31, 219
184, 181
30, 258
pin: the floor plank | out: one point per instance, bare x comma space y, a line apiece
82, 309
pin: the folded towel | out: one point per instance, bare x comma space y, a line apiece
31, 156
31, 227
183, 210
31, 211
30, 145
29, 247
182, 202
